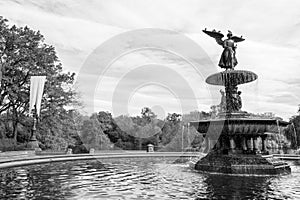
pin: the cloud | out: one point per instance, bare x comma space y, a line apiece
271, 49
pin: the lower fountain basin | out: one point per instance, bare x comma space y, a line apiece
242, 164
232, 143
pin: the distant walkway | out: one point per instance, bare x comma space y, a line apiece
22, 158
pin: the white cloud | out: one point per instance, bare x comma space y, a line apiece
271, 49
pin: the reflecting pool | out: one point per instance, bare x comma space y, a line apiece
139, 178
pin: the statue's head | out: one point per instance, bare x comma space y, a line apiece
229, 34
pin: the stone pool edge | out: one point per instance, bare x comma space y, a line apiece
17, 162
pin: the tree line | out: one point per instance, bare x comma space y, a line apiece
24, 53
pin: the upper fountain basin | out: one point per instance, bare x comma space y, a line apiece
232, 77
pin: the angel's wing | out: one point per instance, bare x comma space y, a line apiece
237, 39
217, 35
220, 41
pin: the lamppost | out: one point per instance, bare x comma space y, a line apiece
33, 143
36, 92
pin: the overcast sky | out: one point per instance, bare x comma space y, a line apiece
166, 81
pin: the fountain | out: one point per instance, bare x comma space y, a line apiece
233, 136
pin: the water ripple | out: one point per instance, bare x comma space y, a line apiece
151, 178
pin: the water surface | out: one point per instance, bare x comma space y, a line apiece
139, 178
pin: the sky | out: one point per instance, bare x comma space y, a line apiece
129, 54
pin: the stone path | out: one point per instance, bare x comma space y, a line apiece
21, 158
12, 155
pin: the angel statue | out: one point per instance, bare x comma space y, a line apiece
228, 59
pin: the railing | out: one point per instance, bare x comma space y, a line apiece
287, 156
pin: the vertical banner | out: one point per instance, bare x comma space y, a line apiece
36, 92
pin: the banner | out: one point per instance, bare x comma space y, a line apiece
36, 92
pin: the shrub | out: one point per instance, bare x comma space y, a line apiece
8, 144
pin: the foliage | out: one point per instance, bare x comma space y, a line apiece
8, 144
148, 114
23, 53
60, 130
182, 139
137, 132
92, 135
117, 136
293, 132
174, 117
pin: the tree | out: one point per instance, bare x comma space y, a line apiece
93, 136
174, 117
116, 135
293, 131
23, 53
60, 130
148, 114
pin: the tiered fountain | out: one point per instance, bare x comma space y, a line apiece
233, 135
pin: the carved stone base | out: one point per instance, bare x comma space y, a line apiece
242, 164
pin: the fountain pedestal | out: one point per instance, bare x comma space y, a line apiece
242, 164
236, 149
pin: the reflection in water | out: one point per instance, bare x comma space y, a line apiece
151, 178
234, 187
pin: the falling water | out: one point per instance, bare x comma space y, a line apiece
295, 134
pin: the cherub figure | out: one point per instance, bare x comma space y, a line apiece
228, 59
223, 101
239, 100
